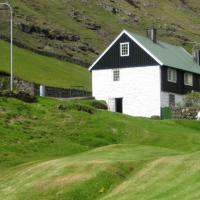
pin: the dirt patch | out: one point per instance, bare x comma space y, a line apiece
71, 179
2, 110
17, 119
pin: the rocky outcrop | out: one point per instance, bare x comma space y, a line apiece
81, 18
87, 48
51, 34
135, 3
24, 86
23, 96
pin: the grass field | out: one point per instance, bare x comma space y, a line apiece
43, 70
47, 153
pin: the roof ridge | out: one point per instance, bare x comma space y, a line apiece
158, 41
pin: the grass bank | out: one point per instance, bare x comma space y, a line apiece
47, 153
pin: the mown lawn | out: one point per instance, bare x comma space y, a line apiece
43, 70
47, 153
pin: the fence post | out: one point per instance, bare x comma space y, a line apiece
42, 91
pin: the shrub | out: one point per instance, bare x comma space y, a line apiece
78, 107
4, 83
192, 100
26, 97
61, 107
84, 108
99, 104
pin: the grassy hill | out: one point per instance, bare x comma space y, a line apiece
79, 30
43, 70
47, 153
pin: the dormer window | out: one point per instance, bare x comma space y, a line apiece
124, 49
188, 79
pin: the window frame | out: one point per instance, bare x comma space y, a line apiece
121, 49
192, 79
116, 77
168, 77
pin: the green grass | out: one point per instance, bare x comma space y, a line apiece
44, 70
46, 153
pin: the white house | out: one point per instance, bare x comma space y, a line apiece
139, 75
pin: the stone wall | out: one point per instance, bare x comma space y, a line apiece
185, 112
27, 87
18, 85
34, 89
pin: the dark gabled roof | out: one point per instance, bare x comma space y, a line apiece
164, 53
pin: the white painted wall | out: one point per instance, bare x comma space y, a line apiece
165, 98
138, 86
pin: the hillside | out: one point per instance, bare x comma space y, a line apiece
43, 70
47, 153
78, 30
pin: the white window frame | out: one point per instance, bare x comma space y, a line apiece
122, 54
186, 82
116, 77
170, 75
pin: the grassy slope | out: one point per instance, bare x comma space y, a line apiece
46, 153
44, 70
174, 19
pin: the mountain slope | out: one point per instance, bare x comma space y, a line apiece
47, 153
78, 30
43, 70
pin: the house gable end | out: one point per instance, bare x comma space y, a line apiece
111, 58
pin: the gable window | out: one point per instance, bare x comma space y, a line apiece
188, 79
171, 100
171, 75
124, 49
116, 75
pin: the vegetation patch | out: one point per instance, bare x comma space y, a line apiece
26, 97
101, 184
99, 104
77, 106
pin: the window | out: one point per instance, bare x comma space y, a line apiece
171, 75
171, 100
124, 49
116, 75
188, 79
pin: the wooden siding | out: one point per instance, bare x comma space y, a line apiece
179, 87
112, 58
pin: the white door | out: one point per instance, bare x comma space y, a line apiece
111, 104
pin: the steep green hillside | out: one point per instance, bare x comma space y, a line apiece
47, 153
44, 70
80, 29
